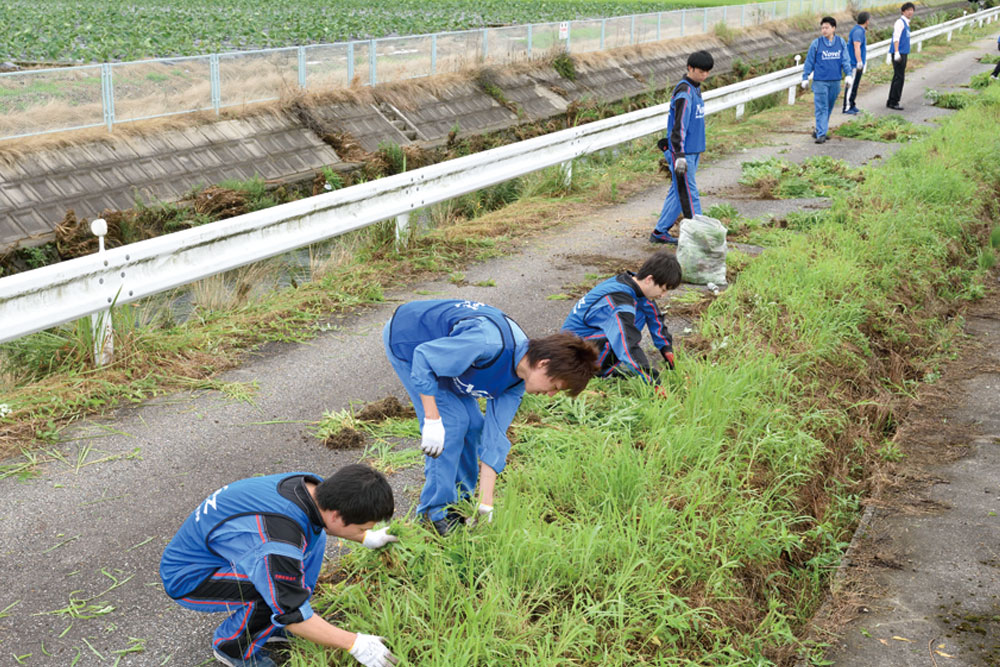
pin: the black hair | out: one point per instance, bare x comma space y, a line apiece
664, 268
829, 19
701, 60
359, 493
863, 18
907, 5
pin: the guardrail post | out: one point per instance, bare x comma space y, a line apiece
704, 21
791, 91
604, 27
567, 173
215, 82
949, 35
350, 63
569, 32
631, 36
659, 26
108, 95
486, 45
100, 322
683, 16
725, 15
920, 46
434, 53
302, 67
402, 225
740, 110
529, 40
372, 76
743, 16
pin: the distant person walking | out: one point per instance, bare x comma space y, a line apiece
683, 145
826, 59
900, 49
857, 51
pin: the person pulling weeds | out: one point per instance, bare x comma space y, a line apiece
449, 354
826, 59
613, 314
254, 549
683, 146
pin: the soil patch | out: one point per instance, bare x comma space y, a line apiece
386, 408
345, 438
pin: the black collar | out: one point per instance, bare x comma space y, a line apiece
628, 278
294, 488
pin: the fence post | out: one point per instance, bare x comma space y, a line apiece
743, 16
704, 21
108, 95
529, 40
350, 63
569, 33
604, 27
631, 37
434, 53
920, 46
486, 45
725, 15
791, 91
740, 110
683, 16
659, 26
302, 67
100, 322
215, 82
567, 173
372, 76
402, 225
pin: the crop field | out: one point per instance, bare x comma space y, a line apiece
94, 30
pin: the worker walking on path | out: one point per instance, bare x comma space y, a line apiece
254, 549
683, 146
996, 70
826, 60
857, 51
900, 50
449, 354
613, 314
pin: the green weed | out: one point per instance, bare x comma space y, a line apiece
880, 128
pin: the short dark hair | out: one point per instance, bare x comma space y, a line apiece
664, 268
701, 60
359, 493
828, 19
571, 359
863, 18
907, 5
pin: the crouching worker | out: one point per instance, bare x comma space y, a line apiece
613, 314
254, 548
450, 353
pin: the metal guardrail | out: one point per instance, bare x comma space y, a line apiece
71, 98
52, 295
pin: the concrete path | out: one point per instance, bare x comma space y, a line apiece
87, 534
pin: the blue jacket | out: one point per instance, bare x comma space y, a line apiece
265, 529
827, 60
469, 349
904, 39
686, 120
860, 35
617, 310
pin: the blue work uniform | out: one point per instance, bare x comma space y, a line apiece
686, 137
254, 549
612, 316
826, 61
859, 36
902, 27
458, 352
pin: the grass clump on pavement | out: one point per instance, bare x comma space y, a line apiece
701, 527
880, 128
818, 176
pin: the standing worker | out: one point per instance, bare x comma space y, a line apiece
613, 314
857, 49
254, 549
683, 145
449, 354
899, 49
996, 70
826, 59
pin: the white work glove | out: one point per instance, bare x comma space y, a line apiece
432, 438
897, 57
848, 81
486, 511
860, 66
680, 167
371, 652
376, 539
805, 83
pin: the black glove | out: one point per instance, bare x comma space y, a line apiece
668, 356
663, 144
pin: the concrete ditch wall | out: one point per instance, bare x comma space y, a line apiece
37, 188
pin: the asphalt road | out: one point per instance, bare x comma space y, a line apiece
89, 531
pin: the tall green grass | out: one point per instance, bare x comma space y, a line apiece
702, 528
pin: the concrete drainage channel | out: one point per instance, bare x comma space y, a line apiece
98, 173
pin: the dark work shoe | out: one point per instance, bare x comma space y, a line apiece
259, 659
853, 111
821, 139
657, 237
894, 107
444, 525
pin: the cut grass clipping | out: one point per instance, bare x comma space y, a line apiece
702, 527
881, 128
819, 176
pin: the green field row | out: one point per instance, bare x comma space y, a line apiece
97, 30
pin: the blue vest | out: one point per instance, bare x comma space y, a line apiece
828, 58
421, 321
576, 321
858, 34
694, 138
904, 41
189, 558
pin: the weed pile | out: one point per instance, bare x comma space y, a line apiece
701, 527
880, 128
818, 176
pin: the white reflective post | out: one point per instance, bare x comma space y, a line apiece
791, 91
920, 46
100, 322
402, 225
567, 172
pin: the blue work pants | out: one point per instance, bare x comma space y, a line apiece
825, 94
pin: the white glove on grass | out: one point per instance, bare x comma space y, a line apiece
680, 167
371, 652
486, 512
376, 539
432, 438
